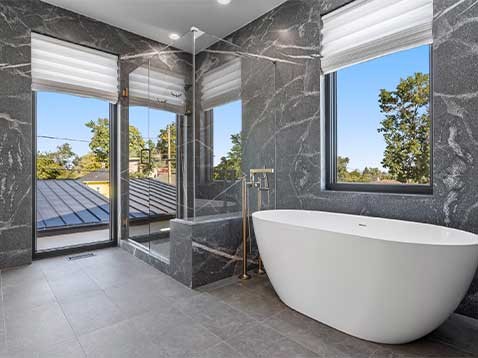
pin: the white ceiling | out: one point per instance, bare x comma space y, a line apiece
156, 19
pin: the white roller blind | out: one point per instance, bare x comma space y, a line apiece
367, 29
221, 85
157, 88
60, 66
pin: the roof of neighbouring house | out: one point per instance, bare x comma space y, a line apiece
68, 204
99, 175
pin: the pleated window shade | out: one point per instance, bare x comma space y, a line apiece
157, 88
60, 66
367, 29
221, 85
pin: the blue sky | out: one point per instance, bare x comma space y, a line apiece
227, 121
359, 114
64, 116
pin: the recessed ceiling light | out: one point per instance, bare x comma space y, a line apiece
174, 36
224, 2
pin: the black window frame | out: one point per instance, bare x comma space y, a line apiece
331, 182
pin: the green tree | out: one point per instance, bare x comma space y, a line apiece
368, 175
88, 163
163, 143
342, 172
100, 140
136, 142
406, 129
232, 162
47, 168
59, 164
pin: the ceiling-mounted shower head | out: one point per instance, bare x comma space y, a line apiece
197, 32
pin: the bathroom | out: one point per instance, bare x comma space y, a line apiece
241, 135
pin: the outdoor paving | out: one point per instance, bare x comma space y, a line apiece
114, 305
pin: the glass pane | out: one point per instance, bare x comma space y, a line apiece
73, 178
152, 168
163, 179
383, 120
231, 112
139, 170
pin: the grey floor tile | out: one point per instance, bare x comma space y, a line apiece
221, 350
39, 328
459, 331
63, 273
28, 295
172, 289
257, 306
122, 340
287, 348
106, 276
87, 314
74, 286
140, 296
155, 323
56, 266
220, 318
426, 348
263, 341
261, 285
185, 339
67, 349
21, 276
175, 333
304, 330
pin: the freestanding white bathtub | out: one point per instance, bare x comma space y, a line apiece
382, 280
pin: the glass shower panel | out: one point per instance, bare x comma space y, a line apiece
234, 124
139, 156
157, 100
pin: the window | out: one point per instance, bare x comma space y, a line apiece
378, 96
221, 119
379, 124
227, 146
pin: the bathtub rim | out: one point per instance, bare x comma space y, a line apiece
473, 238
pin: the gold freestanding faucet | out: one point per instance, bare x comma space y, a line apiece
244, 275
245, 213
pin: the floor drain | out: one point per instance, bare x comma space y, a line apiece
80, 257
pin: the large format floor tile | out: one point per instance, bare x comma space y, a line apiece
113, 305
37, 329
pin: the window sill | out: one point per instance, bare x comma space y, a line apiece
402, 189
